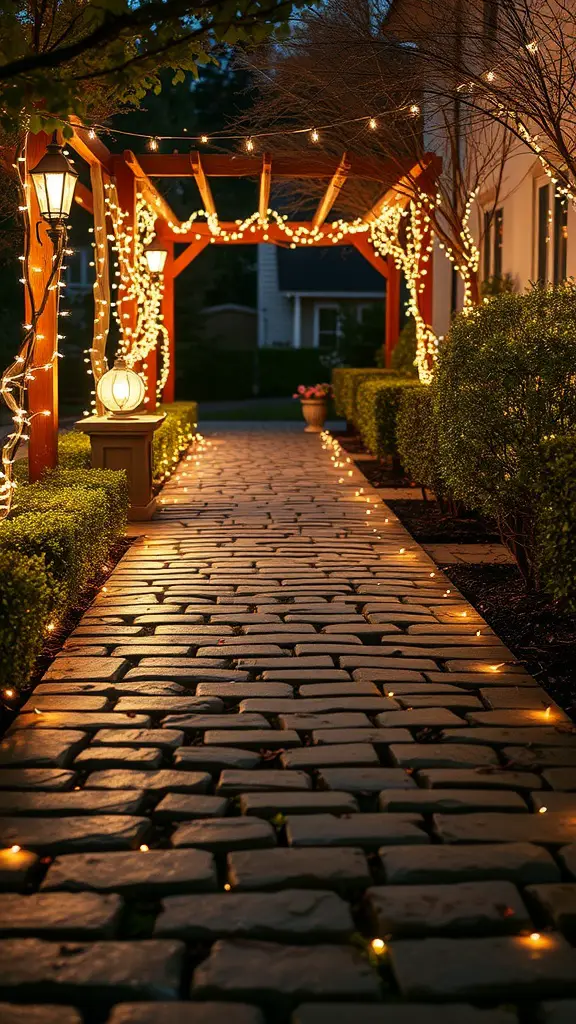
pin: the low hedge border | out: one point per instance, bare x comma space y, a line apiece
25, 609
60, 534
377, 405
173, 438
556, 520
417, 437
345, 383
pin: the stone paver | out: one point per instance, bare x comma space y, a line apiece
280, 734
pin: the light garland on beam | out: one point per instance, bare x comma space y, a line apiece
383, 233
138, 290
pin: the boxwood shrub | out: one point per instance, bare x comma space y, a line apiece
69, 527
556, 522
417, 437
25, 607
345, 383
377, 406
504, 384
173, 437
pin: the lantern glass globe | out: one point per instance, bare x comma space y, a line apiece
54, 183
155, 258
120, 390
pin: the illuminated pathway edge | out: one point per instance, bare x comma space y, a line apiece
283, 765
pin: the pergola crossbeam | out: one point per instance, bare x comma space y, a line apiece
332, 192
265, 185
203, 184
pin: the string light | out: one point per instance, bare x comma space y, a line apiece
314, 136
138, 306
14, 381
249, 145
373, 124
153, 144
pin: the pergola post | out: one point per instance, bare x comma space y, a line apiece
43, 384
165, 239
392, 311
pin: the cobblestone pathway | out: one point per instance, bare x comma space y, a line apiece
279, 735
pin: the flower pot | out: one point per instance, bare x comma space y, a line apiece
315, 411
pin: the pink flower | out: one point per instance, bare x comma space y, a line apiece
313, 391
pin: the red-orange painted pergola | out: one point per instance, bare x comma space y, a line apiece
134, 174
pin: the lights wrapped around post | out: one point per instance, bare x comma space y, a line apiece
155, 258
121, 390
54, 182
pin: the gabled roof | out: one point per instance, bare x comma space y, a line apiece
327, 271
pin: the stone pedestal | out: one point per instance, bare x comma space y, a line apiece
126, 444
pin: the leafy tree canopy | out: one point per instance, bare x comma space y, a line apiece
60, 58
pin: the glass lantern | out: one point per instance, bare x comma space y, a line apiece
54, 182
120, 390
155, 258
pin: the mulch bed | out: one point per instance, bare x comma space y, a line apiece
428, 524
535, 629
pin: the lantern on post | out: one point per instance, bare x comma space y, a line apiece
155, 258
120, 390
54, 182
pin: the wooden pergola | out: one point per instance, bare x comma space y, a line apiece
133, 174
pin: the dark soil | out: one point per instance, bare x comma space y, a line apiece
532, 626
428, 524
538, 632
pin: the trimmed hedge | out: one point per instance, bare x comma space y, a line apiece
345, 383
173, 438
377, 404
70, 527
417, 437
556, 523
60, 534
504, 384
25, 605
58, 538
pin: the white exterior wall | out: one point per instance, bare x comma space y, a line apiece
275, 317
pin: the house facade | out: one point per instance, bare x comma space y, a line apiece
302, 294
525, 233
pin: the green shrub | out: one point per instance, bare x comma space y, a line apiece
417, 437
404, 352
345, 383
377, 405
173, 437
556, 522
504, 383
25, 605
112, 482
74, 450
69, 527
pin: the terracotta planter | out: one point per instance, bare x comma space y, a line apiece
315, 411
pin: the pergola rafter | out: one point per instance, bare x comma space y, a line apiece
332, 192
265, 186
202, 183
132, 174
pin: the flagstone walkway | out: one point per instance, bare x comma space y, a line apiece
282, 771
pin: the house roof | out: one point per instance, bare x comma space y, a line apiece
327, 271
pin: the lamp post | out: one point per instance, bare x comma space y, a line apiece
32, 397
